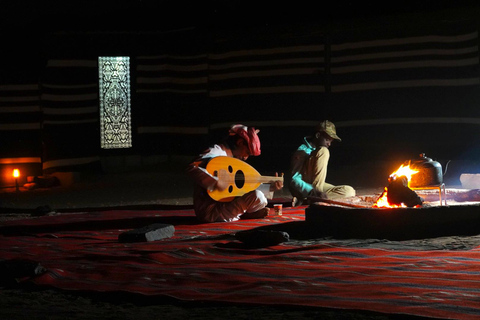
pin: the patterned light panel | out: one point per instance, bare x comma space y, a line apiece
115, 113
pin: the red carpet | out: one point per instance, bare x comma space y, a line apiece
204, 262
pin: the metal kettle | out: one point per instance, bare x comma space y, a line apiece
429, 172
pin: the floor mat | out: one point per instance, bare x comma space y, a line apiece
205, 262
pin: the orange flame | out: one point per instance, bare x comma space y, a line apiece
403, 171
382, 201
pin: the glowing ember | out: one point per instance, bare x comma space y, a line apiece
382, 202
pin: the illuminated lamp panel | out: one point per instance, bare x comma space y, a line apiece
115, 113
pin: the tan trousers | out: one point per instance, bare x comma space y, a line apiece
316, 173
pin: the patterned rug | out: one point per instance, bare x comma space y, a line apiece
437, 278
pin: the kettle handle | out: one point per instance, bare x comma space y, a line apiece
446, 167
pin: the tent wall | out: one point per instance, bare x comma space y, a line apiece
393, 90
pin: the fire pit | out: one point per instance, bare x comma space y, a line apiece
406, 209
325, 219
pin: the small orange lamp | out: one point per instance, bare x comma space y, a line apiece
16, 174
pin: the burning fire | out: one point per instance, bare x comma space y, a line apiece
382, 202
403, 171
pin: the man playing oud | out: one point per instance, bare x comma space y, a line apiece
241, 143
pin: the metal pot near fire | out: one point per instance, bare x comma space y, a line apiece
429, 172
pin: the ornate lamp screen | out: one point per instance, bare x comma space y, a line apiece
115, 115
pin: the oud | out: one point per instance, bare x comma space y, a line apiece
239, 175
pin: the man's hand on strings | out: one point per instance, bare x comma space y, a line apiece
222, 180
277, 185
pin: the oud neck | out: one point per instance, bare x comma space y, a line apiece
269, 179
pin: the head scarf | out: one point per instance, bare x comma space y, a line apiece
249, 134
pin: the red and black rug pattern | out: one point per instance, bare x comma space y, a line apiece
206, 262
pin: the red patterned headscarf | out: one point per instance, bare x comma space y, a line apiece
249, 134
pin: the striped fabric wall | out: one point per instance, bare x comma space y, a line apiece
285, 69
371, 86
404, 92
70, 115
418, 87
171, 107
257, 75
20, 131
268, 78
405, 62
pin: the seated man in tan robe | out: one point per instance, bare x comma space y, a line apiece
309, 167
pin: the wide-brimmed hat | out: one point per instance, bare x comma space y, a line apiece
329, 128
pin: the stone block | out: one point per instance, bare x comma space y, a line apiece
153, 232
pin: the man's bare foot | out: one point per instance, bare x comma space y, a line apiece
260, 214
